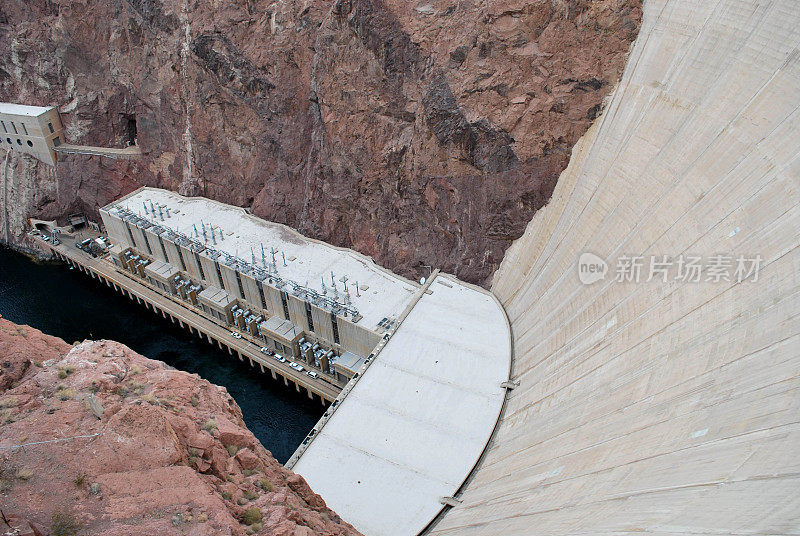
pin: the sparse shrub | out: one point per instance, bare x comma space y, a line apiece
202, 518
251, 516
9, 402
242, 501
210, 425
94, 489
193, 451
226, 495
24, 474
134, 370
66, 394
195, 400
265, 484
255, 527
63, 372
150, 399
6, 416
249, 472
80, 480
64, 524
232, 449
250, 495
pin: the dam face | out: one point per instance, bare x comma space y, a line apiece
666, 406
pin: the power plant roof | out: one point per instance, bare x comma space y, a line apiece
235, 234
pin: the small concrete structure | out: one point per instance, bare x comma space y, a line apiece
411, 430
218, 303
347, 365
281, 335
33, 130
161, 275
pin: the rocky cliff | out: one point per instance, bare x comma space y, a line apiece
98, 438
421, 133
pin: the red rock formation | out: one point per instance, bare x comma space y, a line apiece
169, 453
421, 133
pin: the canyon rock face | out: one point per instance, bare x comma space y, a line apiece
118, 444
422, 133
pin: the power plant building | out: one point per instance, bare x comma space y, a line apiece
306, 299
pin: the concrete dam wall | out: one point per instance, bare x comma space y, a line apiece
667, 406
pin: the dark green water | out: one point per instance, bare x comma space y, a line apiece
71, 305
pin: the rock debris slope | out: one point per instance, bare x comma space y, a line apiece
420, 133
168, 454
662, 407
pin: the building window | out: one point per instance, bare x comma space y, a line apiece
285, 303
180, 257
308, 317
19, 141
57, 141
219, 275
50, 126
261, 295
199, 265
130, 234
147, 243
335, 325
163, 249
239, 282
9, 141
30, 143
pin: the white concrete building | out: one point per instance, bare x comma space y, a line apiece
328, 294
32, 130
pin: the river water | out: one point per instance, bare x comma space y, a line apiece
71, 305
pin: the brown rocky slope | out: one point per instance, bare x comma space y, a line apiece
168, 454
419, 132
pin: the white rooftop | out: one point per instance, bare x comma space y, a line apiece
381, 293
22, 109
431, 397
